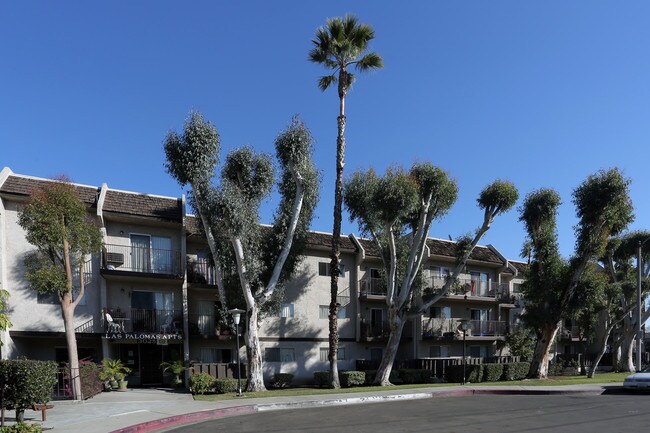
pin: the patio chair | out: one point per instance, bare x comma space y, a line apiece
112, 325
167, 326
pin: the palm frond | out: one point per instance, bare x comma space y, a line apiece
351, 79
325, 81
370, 61
317, 55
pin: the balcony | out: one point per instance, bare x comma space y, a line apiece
209, 326
151, 262
569, 333
449, 328
369, 287
467, 287
379, 331
140, 321
201, 272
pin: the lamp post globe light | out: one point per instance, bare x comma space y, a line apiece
464, 326
236, 316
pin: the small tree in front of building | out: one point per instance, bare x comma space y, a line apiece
57, 225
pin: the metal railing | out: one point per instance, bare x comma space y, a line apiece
439, 327
142, 259
375, 330
200, 271
142, 320
469, 287
208, 325
372, 286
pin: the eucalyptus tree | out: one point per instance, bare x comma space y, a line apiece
191, 159
396, 210
620, 264
264, 258
552, 284
57, 225
339, 46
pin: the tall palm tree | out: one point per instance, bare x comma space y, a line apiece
339, 46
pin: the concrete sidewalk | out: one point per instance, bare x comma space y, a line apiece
148, 410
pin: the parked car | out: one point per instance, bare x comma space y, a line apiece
638, 381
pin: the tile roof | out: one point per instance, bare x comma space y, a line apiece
521, 266
25, 186
370, 247
320, 240
126, 203
441, 247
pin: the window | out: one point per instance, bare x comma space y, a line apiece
324, 269
211, 355
277, 354
49, 298
324, 352
324, 312
374, 273
516, 287
286, 310
440, 312
376, 354
479, 283
478, 351
439, 352
151, 254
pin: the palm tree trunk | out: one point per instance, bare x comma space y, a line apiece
336, 254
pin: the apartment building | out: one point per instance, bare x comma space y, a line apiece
154, 278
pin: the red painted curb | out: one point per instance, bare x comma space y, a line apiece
205, 415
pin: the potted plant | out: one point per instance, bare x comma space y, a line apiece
114, 372
176, 368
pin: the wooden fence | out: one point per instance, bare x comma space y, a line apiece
219, 370
436, 365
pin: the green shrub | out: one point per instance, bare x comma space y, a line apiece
225, 385
473, 373
370, 376
322, 379
563, 368
201, 383
492, 372
419, 375
26, 382
22, 427
91, 384
515, 370
352, 378
281, 380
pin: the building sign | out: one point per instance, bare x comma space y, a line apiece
143, 337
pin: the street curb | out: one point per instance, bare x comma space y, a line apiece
207, 415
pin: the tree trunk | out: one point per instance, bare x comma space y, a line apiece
539, 363
253, 351
627, 361
335, 256
602, 344
396, 323
67, 311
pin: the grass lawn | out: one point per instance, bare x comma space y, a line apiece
554, 381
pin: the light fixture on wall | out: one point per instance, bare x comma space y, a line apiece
121, 232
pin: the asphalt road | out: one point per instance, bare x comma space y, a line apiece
481, 413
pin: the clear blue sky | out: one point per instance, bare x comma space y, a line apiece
539, 93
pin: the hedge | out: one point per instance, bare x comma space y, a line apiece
473, 373
227, 384
322, 379
91, 384
282, 380
492, 372
515, 370
22, 427
409, 375
26, 382
201, 383
370, 376
352, 378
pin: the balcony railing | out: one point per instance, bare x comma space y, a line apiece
200, 271
470, 287
438, 327
141, 259
372, 286
142, 320
375, 330
209, 325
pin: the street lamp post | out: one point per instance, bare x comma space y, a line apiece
464, 326
639, 276
236, 315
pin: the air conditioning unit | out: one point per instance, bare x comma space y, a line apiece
115, 258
